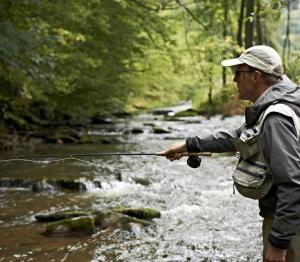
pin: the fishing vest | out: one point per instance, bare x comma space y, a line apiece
252, 177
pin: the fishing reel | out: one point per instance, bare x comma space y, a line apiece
194, 161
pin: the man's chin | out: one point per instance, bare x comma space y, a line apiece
242, 98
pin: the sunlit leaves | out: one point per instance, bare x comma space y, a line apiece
76, 58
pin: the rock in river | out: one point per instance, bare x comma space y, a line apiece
71, 226
65, 223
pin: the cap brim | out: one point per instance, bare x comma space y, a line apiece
232, 62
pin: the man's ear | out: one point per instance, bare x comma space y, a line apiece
257, 75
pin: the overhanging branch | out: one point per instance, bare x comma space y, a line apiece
192, 15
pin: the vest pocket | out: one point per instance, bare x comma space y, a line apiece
252, 179
248, 149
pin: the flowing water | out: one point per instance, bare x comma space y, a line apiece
202, 220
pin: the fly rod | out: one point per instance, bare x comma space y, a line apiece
111, 154
193, 161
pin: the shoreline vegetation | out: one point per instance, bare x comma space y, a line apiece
60, 71
76, 132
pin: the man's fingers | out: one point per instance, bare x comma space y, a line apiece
171, 155
175, 156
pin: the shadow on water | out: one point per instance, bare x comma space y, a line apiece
201, 219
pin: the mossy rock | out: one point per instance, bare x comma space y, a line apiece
61, 215
190, 112
70, 226
173, 118
141, 213
160, 130
117, 220
71, 222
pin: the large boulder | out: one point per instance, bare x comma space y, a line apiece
70, 226
70, 222
113, 220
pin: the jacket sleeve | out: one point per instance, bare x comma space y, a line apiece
281, 150
219, 142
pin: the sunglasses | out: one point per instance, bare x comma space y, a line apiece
238, 72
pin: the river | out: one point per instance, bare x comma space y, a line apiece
202, 220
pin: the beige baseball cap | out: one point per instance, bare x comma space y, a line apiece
262, 57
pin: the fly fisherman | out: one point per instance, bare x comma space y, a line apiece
268, 144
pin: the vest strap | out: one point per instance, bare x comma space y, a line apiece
284, 110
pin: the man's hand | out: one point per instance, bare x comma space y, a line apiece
173, 152
275, 254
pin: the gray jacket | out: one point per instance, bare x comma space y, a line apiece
281, 151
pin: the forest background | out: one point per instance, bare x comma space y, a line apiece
68, 61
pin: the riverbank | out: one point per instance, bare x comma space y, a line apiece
78, 132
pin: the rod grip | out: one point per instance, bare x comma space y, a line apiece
195, 154
188, 154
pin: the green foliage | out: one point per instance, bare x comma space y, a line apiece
292, 68
72, 59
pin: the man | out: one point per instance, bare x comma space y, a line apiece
268, 143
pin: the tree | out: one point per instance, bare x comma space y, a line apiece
249, 24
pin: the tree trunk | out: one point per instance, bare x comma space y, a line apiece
287, 43
249, 24
259, 32
240, 24
224, 37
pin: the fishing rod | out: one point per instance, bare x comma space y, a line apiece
193, 160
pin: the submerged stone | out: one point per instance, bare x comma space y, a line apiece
71, 185
117, 220
189, 112
46, 185
62, 215
141, 180
15, 182
149, 124
160, 130
77, 225
137, 130
86, 221
141, 213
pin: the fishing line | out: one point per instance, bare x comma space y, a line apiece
48, 162
193, 161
